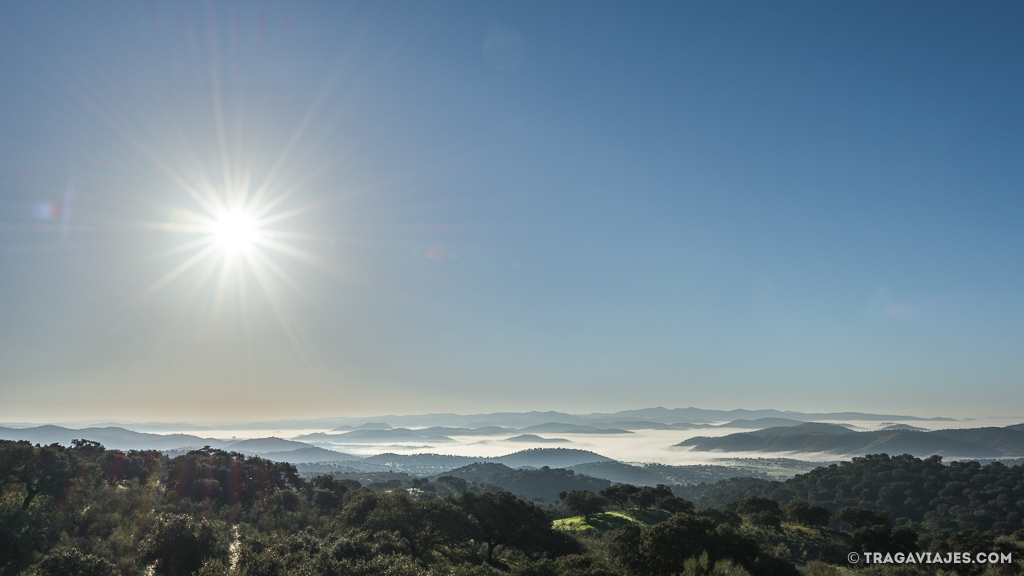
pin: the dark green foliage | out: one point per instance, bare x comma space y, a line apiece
87, 510
648, 496
665, 547
455, 484
14, 457
546, 483
675, 505
703, 566
423, 528
71, 562
772, 566
722, 517
385, 485
137, 465
504, 520
819, 568
799, 512
721, 493
922, 493
758, 511
36, 482
571, 565
768, 519
644, 498
227, 478
47, 470
21, 534
578, 565
753, 505
301, 553
856, 517
619, 494
328, 493
963, 495
179, 545
882, 538
583, 503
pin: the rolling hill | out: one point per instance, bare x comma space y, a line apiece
1005, 442
533, 438
551, 457
545, 483
760, 423
612, 520
260, 446
309, 454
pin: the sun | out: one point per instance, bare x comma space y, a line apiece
235, 232
238, 233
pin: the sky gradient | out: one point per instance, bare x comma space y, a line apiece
490, 206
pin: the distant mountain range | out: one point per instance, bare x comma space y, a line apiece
367, 426
760, 423
559, 428
311, 452
1007, 442
646, 418
481, 431
389, 435
115, 438
111, 437
769, 434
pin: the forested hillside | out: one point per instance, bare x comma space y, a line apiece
85, 510
924, 494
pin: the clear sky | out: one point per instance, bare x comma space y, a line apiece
240, 211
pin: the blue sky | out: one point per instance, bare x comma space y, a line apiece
487, 206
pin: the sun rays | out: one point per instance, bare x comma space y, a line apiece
240, 210
234, 251
233, 236
235, 232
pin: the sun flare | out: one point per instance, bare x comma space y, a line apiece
237, 243
235, 232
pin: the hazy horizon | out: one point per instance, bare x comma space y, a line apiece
932, 421
637, 446
73, 418
238, 212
